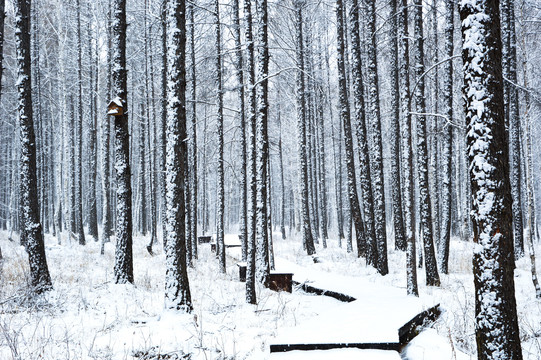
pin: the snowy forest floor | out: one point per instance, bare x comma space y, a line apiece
87, 316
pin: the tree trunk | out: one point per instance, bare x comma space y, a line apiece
407, 153
432, 276
106, 153
220, 246
39, 272
307, 238
447, 186
355, 209
251, 120
497, 331
92, 140
177, 288
262, 138
509, 63
243, 226
79, 131
364, 154
143, 228
395, 133
194, 164
123, 257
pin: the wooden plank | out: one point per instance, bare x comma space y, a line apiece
242, 271
372, 346
414, 327
314, 290
204, 239
281, 281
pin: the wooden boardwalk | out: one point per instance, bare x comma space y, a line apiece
374, 317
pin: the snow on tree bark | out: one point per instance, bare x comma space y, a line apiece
143, 229
355, 209
307, 238
220, 246
362, 138
395, 133
243, 227
124, 226
497, 330
177, 288
531, 225
447, 146
407, 153
93, 140
509, 64
321, 152
106, 154
79, 131
432, 276
194, 132
251, 121
262, 139
377, 148
33, 233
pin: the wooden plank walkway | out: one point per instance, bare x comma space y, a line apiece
374, 316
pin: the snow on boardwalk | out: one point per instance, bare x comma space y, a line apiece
342, 354
374, 317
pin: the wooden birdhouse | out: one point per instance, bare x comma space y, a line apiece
116, 107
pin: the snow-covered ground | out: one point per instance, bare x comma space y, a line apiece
87, 316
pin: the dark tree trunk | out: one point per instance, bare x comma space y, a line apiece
194, 178
143, 228
262, 137
79, 131
377, 147
395, 133
497, 331
509, 64
124, 226
106, 153
407, 154
355, 209
220, 246
322, 157
360, 123
251, 121
153, 169
307, 238
39, 272
447, 146
432, 276
92, 141
177, 288
243, 226
163, 122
